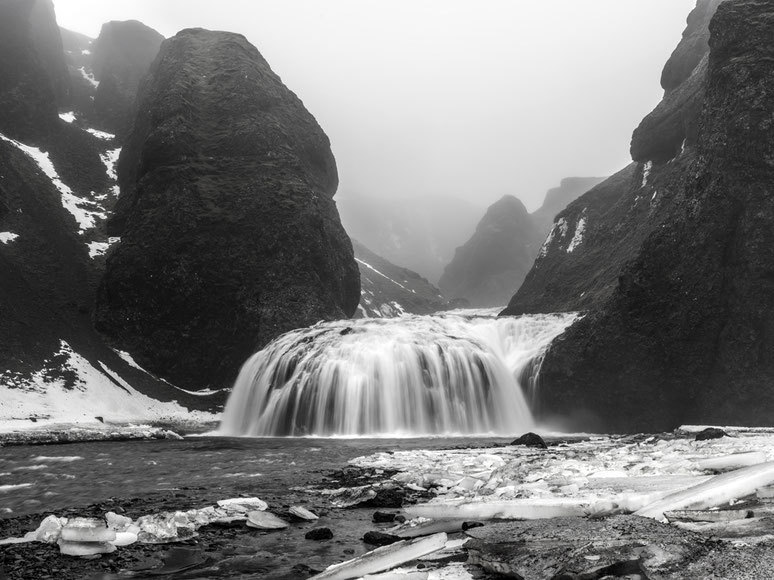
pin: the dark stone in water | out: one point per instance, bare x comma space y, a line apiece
470, 525
319, 534
384, 517
388, 497
530, 440
380, 538
710, 433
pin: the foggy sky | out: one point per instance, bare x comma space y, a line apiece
471, 98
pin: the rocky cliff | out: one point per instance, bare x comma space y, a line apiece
121, 56
229, 233
685, 332
55, 182
493, 262
558, 198
387, 290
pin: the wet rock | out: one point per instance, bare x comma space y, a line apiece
380, 538
710, 433
319, 534
387, 497
383, 517
471, 525
571, 547
530, 440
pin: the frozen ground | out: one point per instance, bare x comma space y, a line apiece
602, 474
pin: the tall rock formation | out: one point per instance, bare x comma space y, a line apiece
33, 74
686, 333
229, 233
121, 56
493, 262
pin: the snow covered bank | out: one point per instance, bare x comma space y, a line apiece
69, 391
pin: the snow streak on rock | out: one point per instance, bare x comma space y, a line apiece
84, 211
577, 238
455, 373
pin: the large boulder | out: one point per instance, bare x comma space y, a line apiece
687, 334
229, 233
493, 262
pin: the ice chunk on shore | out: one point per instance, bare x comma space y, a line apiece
714, 492
85, 548
265, 521
303, 513
243, 504
729, 462
527, 509
384, 558
87, 530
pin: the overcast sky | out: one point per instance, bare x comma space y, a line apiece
472, 98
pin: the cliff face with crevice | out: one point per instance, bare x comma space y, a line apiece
229, 233
685, 332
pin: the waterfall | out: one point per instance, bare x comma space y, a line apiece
445, 374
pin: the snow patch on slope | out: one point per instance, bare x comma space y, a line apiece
88, 393
89, 77
6, 237
84, 211
68, 117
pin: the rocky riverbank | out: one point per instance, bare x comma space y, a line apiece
647, 506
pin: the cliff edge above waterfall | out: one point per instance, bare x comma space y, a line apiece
229, 234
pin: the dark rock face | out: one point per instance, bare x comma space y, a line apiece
229, 232
387, 290
33, 76
489, 266
693, 47
673, 124
558, 198
122, 55
420, 233
687, 334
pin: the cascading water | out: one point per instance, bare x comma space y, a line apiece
447, 374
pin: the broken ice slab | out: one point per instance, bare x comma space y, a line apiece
350, 496
384, 558
707, 515
265, 521
412, 575
125, 538
714, 492
49, 530
117, 522
766, 493
519, 509
303, 513
729, 462
165, 527
87, 530
425, 527
243, 504
731, 528
85, 548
